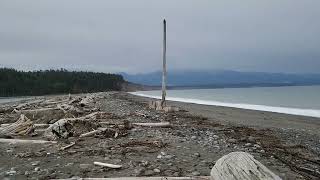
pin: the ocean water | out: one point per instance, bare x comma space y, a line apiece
11, 99
297, 100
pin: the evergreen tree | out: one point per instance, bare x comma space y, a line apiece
20, 83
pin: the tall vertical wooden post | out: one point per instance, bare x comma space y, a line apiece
164, 63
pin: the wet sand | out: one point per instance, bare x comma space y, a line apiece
250, 118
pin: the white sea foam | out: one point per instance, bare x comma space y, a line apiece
285, 110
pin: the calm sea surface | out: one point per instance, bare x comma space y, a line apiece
299, 100
6, 100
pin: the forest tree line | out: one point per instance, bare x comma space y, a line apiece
21, 83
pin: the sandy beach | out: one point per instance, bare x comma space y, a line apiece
197, 137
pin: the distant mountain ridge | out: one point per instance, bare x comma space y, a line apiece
223, 78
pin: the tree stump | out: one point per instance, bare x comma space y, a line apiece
241, 165
156, 105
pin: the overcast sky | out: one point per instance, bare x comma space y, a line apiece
126, 36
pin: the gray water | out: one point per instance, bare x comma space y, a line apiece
8, 100
300, 100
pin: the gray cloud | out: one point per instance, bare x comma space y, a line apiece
114, 36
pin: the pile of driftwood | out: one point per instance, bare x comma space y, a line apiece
41, 112
57, 118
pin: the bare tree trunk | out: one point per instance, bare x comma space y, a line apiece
164, 70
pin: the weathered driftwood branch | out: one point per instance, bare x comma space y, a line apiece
106, 131
36, 126
25, 141
67, 146
113, 166
241, 165
22, 126
91, 133
161, 124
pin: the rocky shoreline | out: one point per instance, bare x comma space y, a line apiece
189, 147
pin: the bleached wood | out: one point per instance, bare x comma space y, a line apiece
35, 125
68, 146
241, 165
91, 133
113, 166
25, 141
161, 124
58, 127
22, 126
164, 64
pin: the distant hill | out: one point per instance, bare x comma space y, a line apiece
20, 83
223, 78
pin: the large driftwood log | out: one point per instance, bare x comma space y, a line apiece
161, 124
65, 128
67, 146
60, 129
241, 165
91, 133
36, 126
25, 141
113, 166
22, 126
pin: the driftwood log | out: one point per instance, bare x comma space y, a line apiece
65, 128
91, 133
60, 129
37, 126
113, 166
67, 146
241, 165
22, 126
160, 124
25, 141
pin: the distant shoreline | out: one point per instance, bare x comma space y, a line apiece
286, 100
247, 117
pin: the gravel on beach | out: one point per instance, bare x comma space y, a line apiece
190, 147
